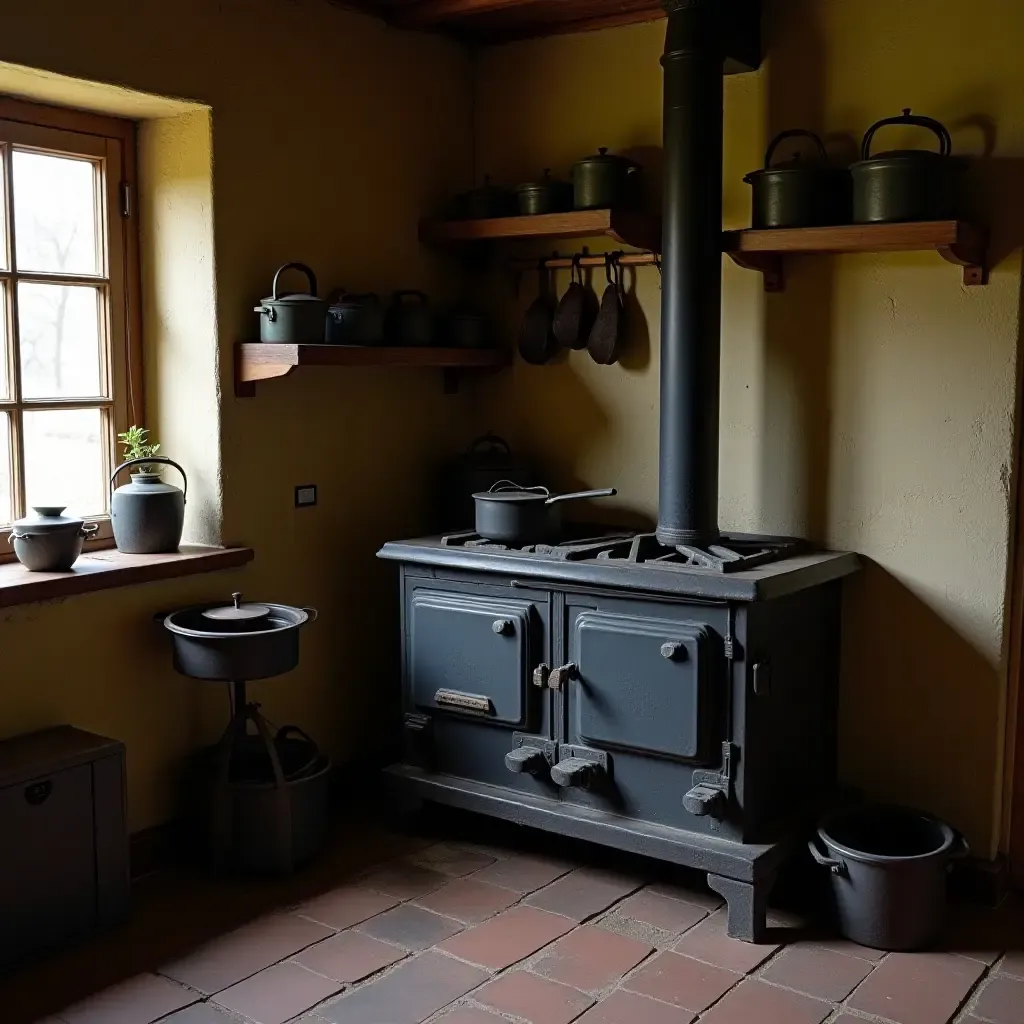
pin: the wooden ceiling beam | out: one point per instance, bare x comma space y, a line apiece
432, 12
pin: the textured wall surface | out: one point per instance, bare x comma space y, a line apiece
869, 407
331, 135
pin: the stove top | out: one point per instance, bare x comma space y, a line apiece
733, 552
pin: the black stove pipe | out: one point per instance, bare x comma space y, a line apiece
692, 273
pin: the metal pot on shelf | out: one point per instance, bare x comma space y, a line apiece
49, 541
409, 320
549, 195
906, 184
147, 514
799, 193
293, 318
355, 320
604, 181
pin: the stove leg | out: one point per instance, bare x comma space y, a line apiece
747, 904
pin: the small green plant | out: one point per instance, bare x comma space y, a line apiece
134, 441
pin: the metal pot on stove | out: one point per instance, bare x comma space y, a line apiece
236, 641
517, 516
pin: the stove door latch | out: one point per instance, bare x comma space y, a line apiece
531, 754
710, 793
558, 677
580, 766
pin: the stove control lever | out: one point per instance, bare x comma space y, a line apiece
526, 759
503, 627
580, 766
673, 650
540, 674
704, 800
561, 675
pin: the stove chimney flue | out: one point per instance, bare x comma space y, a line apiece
692, 272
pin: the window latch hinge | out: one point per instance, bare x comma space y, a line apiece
126, 199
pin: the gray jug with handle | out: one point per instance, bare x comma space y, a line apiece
147, 514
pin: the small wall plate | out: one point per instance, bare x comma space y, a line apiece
305, 495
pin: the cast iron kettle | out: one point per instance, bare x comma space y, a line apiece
487, 460
799, 193
295, 318
49, 541
603, 181
906, 184
510, 514
147, 514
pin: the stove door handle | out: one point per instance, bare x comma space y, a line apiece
561, 675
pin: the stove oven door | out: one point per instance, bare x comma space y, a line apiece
640, 705
470, 656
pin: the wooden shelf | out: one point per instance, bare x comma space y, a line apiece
956, 241
639, 230
255, 361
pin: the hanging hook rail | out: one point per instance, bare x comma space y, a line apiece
557, 262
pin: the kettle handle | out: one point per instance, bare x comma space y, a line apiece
310, 277
793, 133
150, 460
945, 142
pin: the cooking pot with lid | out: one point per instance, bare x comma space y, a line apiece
906, 184
549, 195
236, 641
49, 541
799, 193
604, 181
294, 318
510, 514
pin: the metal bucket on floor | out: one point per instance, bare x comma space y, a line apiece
888, 871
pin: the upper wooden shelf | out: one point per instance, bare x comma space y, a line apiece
956, 241
639, 230
500, 21
255, 360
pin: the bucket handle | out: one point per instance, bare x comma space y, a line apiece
153, 458
837, 867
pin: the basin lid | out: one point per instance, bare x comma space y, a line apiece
238, 617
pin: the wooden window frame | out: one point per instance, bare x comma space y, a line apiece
111, 140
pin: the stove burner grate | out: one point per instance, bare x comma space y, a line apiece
576, 547
733, 553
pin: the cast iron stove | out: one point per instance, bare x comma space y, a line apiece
673, 693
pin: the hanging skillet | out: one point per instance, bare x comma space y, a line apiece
537, 343
576, 311
606, 336
514, 515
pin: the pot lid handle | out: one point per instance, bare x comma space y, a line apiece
310, 277
792, 133
149, 461
945, 142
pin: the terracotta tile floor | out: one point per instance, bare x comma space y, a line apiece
407, 927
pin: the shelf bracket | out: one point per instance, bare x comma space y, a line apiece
248, 372
969, 253
767, 264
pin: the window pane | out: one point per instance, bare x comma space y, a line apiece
5, 468
4, 388
64, 460
55, 213
59, 335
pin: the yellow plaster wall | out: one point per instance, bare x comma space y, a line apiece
330, 135
870, 407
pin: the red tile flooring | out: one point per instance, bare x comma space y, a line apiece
400, 930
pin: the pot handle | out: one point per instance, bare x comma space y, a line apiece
945, 142
837, 867
310, 277
489, 441
960, 848
152, 459
604, 492
793, 133
294, 730
88, 530
312, 613
511, 485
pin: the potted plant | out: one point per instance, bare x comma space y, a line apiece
147, 514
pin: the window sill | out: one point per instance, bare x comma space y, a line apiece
108, 568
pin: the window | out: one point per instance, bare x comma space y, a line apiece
70, 351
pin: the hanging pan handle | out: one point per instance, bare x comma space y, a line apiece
793, 133
310, 277
837, 867
945, 142
149, 461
